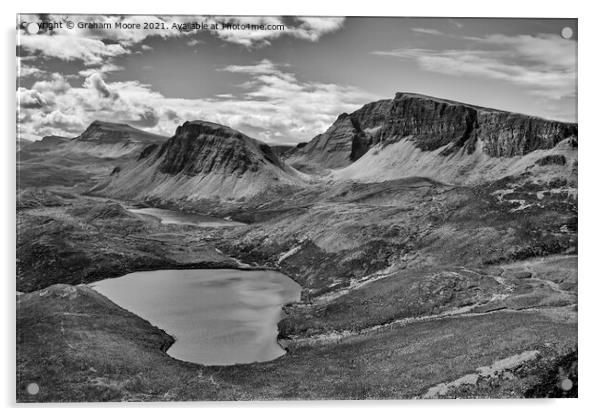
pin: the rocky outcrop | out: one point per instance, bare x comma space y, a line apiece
552, 160
431, 124
349, 137
336, 147
202, 160
200, 147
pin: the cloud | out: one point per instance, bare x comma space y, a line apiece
546, 65
56, 84
69, 48
273, 105
313, 28
24, 70
94, 44
456, 23
427, 31
104, 69
27, 99
95, 82
306, 28
263, 67
549, 49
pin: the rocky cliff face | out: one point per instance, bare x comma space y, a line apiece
430, 124
202, 148
202, 160
336, 147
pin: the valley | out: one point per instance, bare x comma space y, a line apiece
434, 243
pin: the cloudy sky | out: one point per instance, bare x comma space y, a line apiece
284, 86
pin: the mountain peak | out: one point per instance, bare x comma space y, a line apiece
110, 133
203, 160
203, 146
198, 128
430, 124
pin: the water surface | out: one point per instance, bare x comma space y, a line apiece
167, 216
216, 316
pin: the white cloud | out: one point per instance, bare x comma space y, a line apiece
427, 31
24, 70
549, 49
313, 28
193, 42
263, 67
275, 106
456, 23
104, 69
29, 99
56, 84
92, 45
96, 82
69, 48
546, 65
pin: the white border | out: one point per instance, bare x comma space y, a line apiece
590, 234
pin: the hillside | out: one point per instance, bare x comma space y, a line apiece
113, 140
417, 135
202, 160
83, 160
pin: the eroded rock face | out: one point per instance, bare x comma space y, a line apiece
348, 139
200, 147
343, 141
432, 123
202, 161
507, 134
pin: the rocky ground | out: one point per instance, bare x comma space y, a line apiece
412, 288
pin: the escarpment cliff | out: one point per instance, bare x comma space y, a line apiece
430, 124
204, 148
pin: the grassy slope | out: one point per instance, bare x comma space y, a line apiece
437, 247
76, 345
84, 240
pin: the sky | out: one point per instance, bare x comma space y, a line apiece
286, 84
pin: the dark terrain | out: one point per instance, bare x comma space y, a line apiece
412, 286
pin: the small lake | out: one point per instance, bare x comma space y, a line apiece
219, 317
167, 216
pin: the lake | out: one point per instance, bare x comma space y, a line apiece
167, 216
219, 317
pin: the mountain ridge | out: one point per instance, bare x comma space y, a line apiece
430, 123
203, 160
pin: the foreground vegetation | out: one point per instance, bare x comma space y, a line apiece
412, 288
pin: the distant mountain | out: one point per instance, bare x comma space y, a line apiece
57, 160
113, 140
102, 139
414, 134
23, 143
27, 149
280, 149
202, 160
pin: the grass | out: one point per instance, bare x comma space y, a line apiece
78, 346
447, 248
